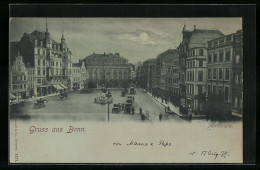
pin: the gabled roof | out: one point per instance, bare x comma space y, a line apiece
39, 36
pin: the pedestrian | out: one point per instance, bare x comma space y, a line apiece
160, 117
133, 110
168, 108
165, 109
140, 110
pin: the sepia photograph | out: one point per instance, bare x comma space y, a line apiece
126, 90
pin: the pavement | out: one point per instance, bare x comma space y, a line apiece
175, 110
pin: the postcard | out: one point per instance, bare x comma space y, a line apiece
125, 90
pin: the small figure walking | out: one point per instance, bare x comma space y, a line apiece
160, 117
140, 110
133, 110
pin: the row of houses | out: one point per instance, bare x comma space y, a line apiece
41, 66
206, 66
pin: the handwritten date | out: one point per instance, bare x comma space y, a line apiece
209, 153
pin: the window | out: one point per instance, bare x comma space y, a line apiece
39, 62
215, 58
237, 59
221, 40
199, 89
227, 74
220, 73
209, 73
221, 56
214, 89
209, 89
24, 86
56, 64
21, 86
200, 63
43, 52
43, 72
193, 64
227, 55
216, 42
220, 90
226, 93
209, 58
43, 62
228, 38
24, 77
200, 76
210, 43
39, 52
201, 52
39, 72
215, 73
38, 81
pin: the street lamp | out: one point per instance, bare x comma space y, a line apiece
109, 100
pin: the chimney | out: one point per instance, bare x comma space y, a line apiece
194, 27
104, 53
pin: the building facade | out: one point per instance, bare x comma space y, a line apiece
110, 70
51, 60
19, 78
193, 42
225, 71
195, 83
148, 70
76, 75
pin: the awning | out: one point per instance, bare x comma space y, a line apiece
58, 87
11, 96
63, 86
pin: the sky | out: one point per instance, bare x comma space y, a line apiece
136, 39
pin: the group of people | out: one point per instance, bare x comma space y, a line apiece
143, 115
63, 94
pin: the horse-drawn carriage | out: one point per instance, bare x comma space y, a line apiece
117, 108
40, 103
132, 90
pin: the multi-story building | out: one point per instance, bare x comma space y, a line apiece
160, 87
149, 66
51, 61
30, 80
109, 70
225, 70
83, 74
192, 39
19, 78
195, 83
76, 75
237, 70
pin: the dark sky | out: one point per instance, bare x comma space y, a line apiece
136, 39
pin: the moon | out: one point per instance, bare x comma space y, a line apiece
144, 36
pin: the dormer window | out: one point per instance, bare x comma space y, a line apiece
41, 43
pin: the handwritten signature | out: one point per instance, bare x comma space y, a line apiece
214, 154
